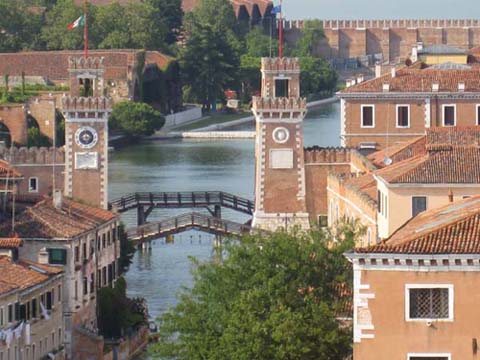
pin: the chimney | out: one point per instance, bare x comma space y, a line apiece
394, 72
386, 87
58, 199
450, 196
378, 70
414, 54
419, 46
461, 87
435, 86
359, 79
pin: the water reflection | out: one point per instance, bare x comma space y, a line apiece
192, 165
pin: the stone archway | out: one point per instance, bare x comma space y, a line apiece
5, 136
13, 116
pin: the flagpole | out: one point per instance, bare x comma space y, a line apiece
85, 28
280, 32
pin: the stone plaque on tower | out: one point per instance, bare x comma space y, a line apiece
279, 166
86, 113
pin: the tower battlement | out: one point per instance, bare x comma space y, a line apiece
86, 64
94, 104
279, 104
287, 65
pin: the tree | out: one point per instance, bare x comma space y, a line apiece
135, 119
260, 45
127, 249
312, 32
55, 32
117, 312
19, 26
272, 298
316, 76
170, 14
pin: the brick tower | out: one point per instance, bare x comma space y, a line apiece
280, 166
86, 114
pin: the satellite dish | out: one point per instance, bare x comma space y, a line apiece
388, 161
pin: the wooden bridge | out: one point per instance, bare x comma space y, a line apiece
145, 202
178, 224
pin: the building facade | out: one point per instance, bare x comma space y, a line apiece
31, 307
414, 294
400, 106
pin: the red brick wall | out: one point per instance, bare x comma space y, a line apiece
14, 118
43, 111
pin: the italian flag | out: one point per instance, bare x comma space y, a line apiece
79, 22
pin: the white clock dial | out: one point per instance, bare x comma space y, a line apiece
281, 135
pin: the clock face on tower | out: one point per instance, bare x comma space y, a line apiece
86, 137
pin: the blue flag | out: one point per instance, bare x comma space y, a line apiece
276, 10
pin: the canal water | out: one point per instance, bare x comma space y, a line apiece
192, 165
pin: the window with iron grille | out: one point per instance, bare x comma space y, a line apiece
429, 303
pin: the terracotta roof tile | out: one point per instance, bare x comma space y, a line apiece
53, 65
45, 221
451, 229
415, 80
8, 170
10, 243
19, 276
399, 152
454, 165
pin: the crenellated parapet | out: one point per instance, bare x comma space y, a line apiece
86, 64
33, 155
327, 155
387, 23
342, 184
283, 65
279, 104
72, 103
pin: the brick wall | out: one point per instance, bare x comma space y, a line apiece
13, 117
392, 38
42, 109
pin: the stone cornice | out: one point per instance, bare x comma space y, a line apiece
409, 95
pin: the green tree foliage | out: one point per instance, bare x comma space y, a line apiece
169, 14
258, 44
211, 59
19, 27
272, 298
127, 249
312, 33
36, 138
317, 76
135, 119
117, 312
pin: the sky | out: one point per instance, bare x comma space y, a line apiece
380, 9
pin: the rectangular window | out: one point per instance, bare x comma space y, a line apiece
10, 313
84, 251
49, 301
22, 312
419, 204
429, 302
34, 308
478, 114
33, 184
2, 317
57, 256
281, 88
16, 310
104, 241
429, 357
92, 283
323, 221
403, 116
379, 201
368, 116
85, 286
77, 254
449, 115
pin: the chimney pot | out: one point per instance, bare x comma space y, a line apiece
461, 87
386, 87
435, 87
57, 199
394, 72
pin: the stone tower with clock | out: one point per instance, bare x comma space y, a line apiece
279, 154
86, 113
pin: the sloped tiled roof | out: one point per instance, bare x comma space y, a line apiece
7, 170
45, 221
451, 229
10, 243
53, 65
454, 165
366, 184
416, 80
20, 276
399, 152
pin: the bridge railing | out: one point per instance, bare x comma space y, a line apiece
192, 220
182, 199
